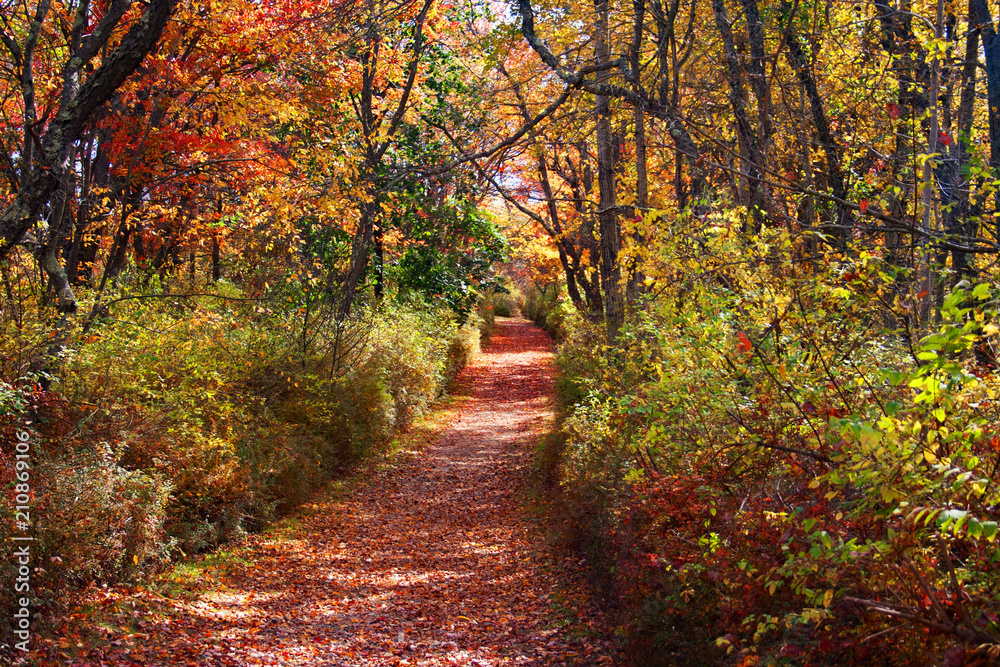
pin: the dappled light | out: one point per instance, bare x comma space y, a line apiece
428, 563
250, 251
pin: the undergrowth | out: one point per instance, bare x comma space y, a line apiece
182, 424
784, 474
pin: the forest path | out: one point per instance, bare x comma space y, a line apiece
432, 562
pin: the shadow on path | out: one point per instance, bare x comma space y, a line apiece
431, 563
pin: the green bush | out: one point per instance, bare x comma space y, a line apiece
463, 350
551, 311
503, 302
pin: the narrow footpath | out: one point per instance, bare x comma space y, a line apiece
431, 562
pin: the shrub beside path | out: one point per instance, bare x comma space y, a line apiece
429, 562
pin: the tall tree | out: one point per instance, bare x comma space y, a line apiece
379, 124
49, 147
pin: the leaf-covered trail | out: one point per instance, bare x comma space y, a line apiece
430, 563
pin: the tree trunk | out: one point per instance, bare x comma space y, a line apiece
800, 63
379, 253
963, 221
928, 272
555, 231
751, 155
635, 275
991, 49
636, 278
909, 63
216, 259
360, 250
607, 213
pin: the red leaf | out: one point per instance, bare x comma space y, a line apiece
893, 110
863, 205
743, 343
944, 138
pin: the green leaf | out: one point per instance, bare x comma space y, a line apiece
990, 530
946, 518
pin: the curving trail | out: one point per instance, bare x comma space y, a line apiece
431, 563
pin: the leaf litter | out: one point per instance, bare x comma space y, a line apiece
431, 561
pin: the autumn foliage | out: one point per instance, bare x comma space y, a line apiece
815, 491
176, 333
243, 242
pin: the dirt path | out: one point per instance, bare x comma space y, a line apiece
432, 563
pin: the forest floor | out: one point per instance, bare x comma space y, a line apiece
433, 559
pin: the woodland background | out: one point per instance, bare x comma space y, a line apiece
245, 242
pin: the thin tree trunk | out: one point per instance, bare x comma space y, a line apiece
964, 222
556, 232
360, 249
607, 213
635, 275
751, 156
991, 49
927, 270
800, 63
